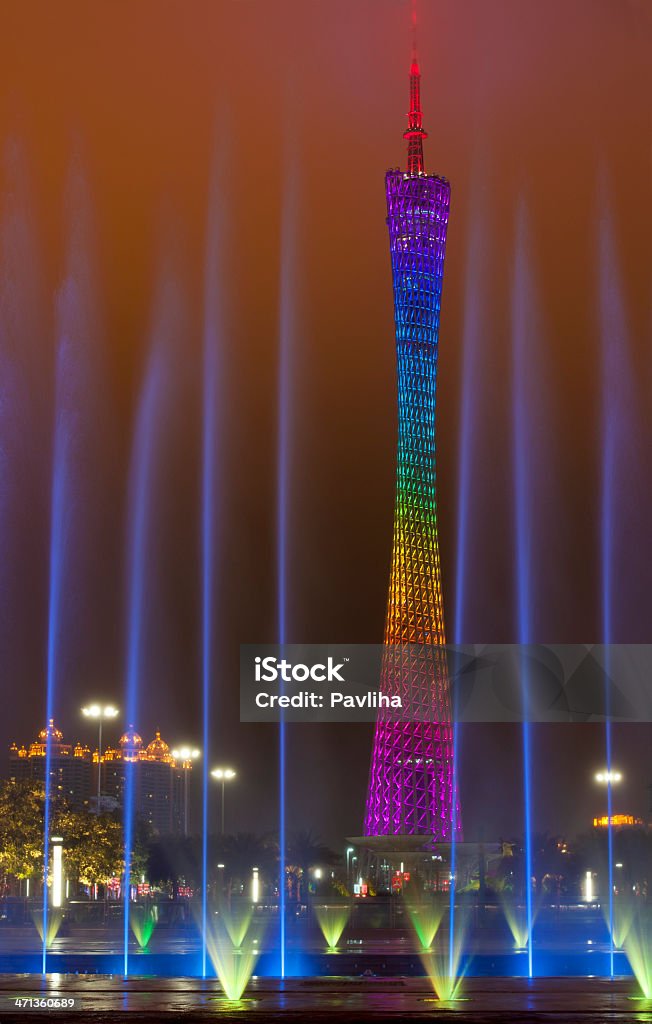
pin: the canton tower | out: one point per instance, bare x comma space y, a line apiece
411, 778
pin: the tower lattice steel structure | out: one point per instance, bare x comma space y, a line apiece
411, 786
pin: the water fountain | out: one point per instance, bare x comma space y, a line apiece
76, 411
143, 920
233, 942
149, 439
54, 921
286, 328
618, 463
332, 919
516, 917
213, 314
637, 944
443, 963
425, 918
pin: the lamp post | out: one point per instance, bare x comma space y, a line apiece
349, 851
186, 755
99, 712
608, 777
223, 775
57, 870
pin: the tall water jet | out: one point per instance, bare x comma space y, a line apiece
286, 327
213, 319
472, 334
617, 436
76, 405
529, 386
167, 326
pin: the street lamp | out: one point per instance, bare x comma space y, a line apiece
186, 755
57, 870
223, 775
99, 712
608, 777
349, 851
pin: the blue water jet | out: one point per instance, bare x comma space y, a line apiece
617, 433
209, 527
145, 463
75, 405
470, 383
286, 328
528, 427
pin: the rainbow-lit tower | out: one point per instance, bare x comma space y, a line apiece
411, 778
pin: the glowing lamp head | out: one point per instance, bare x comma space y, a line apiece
186, 754
605, 777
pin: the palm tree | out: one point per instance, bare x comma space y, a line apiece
306, 851
246, 851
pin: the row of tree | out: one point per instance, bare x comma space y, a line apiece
93, 849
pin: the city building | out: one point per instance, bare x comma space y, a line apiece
160, 783
70, 766
618, 821
411, 786
159, 788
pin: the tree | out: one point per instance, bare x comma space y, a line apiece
307, 851
246, 851
22, 807
92, 846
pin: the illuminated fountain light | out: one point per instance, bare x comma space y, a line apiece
332, 919
638, 948
143, 921
237, 923
54, 922
233, 944
442, 963
622, 917
516, 917
426, 918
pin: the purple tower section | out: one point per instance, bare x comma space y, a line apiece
411, 784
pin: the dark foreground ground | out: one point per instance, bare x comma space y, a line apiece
338, 999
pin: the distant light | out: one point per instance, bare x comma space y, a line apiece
608, 776
588, 887
97, 711
255, 886
186, 754
318, 872
57, 871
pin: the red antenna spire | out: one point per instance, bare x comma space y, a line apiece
415, 133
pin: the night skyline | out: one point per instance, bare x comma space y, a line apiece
123, 166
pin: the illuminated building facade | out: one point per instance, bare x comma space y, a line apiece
70, 766
618, 821
411, 778
158, 780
